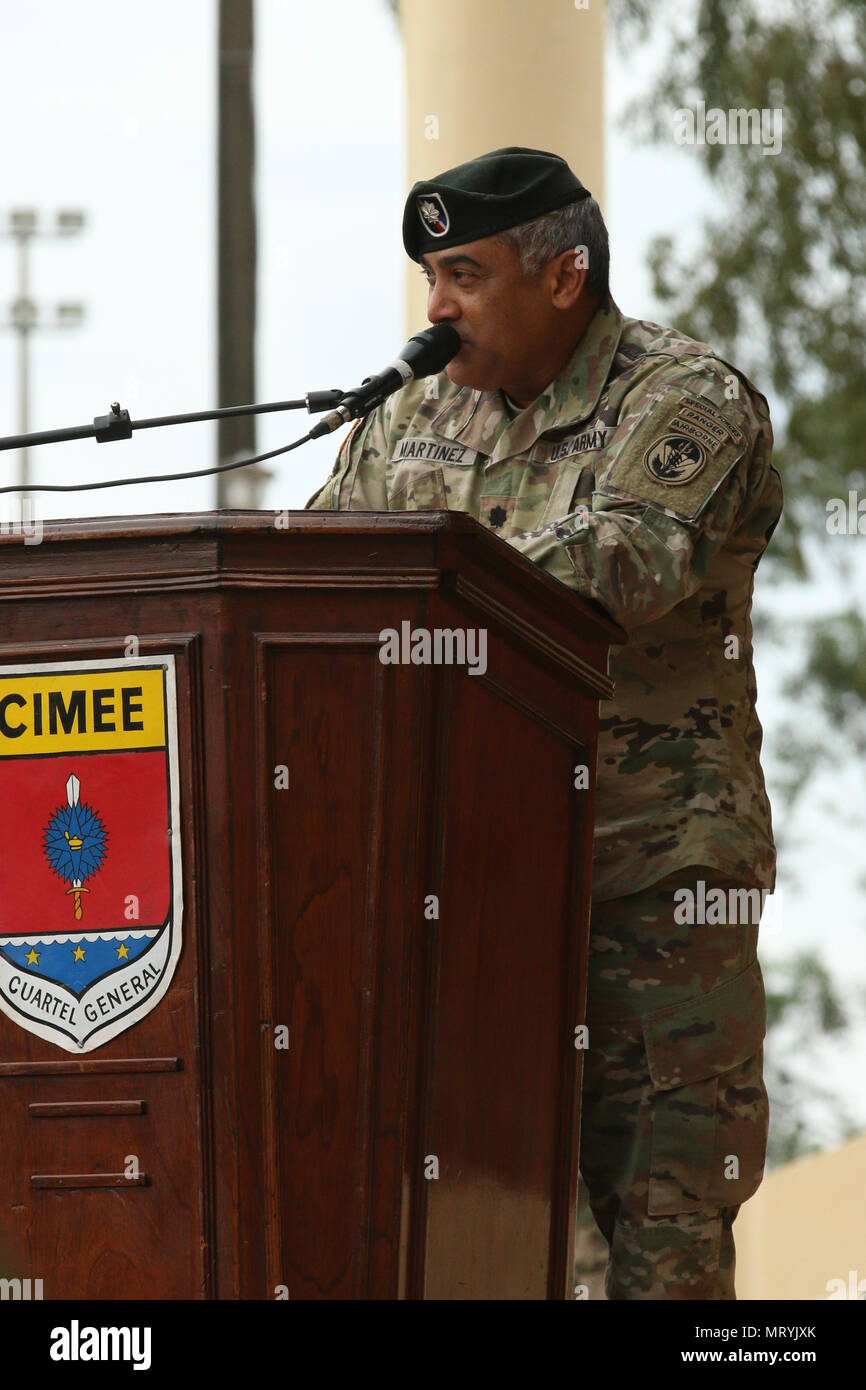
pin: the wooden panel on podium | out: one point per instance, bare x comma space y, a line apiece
362, 1081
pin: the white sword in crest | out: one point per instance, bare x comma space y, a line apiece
73, 791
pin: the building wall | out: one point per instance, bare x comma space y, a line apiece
806, 1227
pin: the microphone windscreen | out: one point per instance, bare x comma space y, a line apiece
432, 349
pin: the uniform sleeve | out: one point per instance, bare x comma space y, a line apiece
357, 481
681, 471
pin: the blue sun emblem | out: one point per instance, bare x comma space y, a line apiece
75, 842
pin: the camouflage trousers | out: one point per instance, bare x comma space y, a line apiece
674, 1109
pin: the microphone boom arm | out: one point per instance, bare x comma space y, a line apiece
118, 425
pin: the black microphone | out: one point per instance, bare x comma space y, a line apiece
425, 354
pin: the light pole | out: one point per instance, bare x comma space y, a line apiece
23, 226
236, 255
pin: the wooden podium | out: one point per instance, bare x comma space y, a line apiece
363, 1080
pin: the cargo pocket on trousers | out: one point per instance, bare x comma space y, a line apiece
709, 1105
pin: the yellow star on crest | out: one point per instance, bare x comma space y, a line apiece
32, 957
122, 953
78, 954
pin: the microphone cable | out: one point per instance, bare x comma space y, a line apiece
155, 478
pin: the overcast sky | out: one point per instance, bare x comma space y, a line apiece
110, 108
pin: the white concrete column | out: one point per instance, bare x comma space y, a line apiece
481, 74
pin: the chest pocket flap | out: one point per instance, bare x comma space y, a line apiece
418, 487
559, 503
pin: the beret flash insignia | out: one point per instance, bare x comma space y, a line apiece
431, 210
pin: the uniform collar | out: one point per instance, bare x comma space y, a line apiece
479, 420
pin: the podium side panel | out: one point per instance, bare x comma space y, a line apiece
504, 1070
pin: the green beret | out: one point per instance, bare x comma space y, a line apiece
486, 195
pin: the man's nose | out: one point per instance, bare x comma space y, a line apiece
442, 307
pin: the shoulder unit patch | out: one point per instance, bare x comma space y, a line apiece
674, 459
673, 454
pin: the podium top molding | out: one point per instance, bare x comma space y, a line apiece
227, 548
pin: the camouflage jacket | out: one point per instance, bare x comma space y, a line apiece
641, 477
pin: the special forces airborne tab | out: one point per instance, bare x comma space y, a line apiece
90, 894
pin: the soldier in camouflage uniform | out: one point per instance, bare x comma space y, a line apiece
634, 465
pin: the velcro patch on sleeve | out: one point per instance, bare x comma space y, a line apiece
674, 455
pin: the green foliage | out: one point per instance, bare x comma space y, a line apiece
779, 282
779, 286
802, 1005
835, 671
805, 978
827, 691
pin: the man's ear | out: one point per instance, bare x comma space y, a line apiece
567, 278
